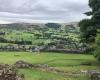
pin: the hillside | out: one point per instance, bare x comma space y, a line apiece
58, 36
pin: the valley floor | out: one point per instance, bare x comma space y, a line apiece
69, 63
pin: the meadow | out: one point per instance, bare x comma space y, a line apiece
33, 36
67, 37
70, 63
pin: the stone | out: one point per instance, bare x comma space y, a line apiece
95, 75
23, 64
9, 73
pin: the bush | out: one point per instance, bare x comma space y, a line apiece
86, 63
97, 53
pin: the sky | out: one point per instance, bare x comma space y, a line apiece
42, 10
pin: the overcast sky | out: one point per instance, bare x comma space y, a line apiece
42, 10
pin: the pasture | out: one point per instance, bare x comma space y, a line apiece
70, 63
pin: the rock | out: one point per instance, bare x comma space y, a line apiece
95, 76
23, 64
84, 71
9, 73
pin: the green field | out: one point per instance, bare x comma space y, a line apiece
21, 35
64, 62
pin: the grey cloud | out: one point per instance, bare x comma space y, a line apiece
63, 10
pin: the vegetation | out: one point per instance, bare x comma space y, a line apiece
33, 45
89, 27
64, 37
97, 47
70, 63
64, 48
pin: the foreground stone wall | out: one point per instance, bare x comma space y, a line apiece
9, 73
95, 76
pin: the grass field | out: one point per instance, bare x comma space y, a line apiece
64, 62
25, 36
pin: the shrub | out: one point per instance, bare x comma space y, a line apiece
86, 63
97, 53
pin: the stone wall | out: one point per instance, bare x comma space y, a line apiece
9, 73
95, 76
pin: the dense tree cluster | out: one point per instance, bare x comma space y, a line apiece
88, 31
3, 40
53, 25
88, 27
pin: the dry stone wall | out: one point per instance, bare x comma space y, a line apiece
9, 73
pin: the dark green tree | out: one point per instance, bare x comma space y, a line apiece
53, 25
88, 31
88, 27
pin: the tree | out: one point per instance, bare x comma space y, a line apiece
88, 27
53, 25
88, 31
97, 53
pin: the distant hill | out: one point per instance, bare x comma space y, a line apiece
25, 25
75, 24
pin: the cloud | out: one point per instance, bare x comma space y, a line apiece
49, 10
